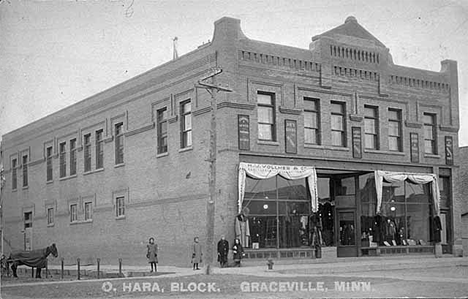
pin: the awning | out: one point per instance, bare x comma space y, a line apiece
266, 171
416, 178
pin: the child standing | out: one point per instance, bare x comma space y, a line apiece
196, 254
152, 254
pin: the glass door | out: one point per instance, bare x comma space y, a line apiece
346, 226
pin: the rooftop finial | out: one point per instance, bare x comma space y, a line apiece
350, 19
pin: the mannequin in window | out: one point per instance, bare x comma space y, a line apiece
390, 231
242, 227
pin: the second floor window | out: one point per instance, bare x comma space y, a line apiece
14, 174
371, 127
394, 130
50, 168
120, 206
266, 116
119, 144
338, 127
73, 157
430, 133
99, 150
186, 124
25, 170
63, 160
311, 121
162, 130
87, 152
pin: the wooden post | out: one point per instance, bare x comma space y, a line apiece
98, 268
78, 264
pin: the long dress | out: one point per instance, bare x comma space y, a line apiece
152, 253
196, 253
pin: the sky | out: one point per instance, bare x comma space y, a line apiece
54, 53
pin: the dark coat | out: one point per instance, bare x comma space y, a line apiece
152, 253
223, 249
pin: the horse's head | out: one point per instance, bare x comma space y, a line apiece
53, 250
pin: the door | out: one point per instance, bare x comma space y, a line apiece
346, 233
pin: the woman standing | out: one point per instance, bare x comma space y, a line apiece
237, 252
152, 254
196, 254
223, 249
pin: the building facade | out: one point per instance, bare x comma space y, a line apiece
334, 138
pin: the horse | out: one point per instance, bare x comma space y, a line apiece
34, 258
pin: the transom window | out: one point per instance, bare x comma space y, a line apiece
266, 116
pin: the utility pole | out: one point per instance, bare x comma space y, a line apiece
210, 209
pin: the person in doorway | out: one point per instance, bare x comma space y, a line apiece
152, 254
196, 253
237, 252
223, 249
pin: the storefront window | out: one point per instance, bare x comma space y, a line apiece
405, 215
279, 212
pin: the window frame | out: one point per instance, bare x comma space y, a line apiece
49, 164
161, 123
342, 115
73, 213
88, 213
368, 119
119, 206
433, 127
186, 135
50, 216
63, 159
87, 152
14, 174
119, 143
315, 111
25, 171
99, 142
271, 107
399, 122
73, 156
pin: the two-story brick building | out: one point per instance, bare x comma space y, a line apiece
336, 137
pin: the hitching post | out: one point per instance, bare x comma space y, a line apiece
61, 272
120, 267
78, 263
98, 267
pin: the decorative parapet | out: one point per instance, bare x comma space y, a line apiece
355, 73
273, 60
419, 83
354, 54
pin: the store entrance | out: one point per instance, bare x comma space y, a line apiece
337, 211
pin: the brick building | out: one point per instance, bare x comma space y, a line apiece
308, 138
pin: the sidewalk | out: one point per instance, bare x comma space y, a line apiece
285, 267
